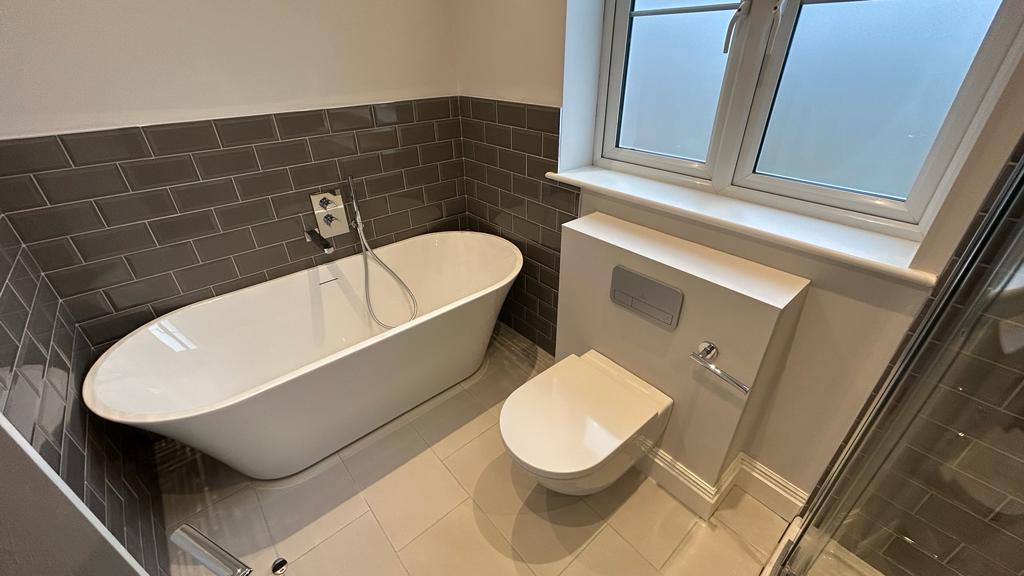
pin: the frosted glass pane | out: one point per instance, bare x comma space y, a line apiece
674, 76
865, 89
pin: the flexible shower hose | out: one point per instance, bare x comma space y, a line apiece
358, 221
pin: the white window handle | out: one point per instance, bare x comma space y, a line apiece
742, 10
777, 11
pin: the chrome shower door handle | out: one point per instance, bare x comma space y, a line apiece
706, 352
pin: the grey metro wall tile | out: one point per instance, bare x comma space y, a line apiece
350, 118
163, 259
278, 154
206, 274
88, 277
113, 241
19, 193
333, 146
31, 155
220, 163
136, 207
261, 259
306, 123
159, 172
377, 139
56, 221
105, 146
225, 244
81, 183
267, 183
207, 194
184, 227
141, 292
246, 130
115, 326
316, 174
88, 306
432, 109
391, 113
55, 254
244, 213
181, 137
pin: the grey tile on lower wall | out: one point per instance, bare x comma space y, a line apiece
43, 361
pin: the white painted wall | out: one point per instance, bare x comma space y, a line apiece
86, 65
511, 50
71, 66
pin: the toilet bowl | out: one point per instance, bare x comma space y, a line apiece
579, 425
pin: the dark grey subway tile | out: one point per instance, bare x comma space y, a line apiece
359, 166
425, 214
551, 146
513, 203
527, 141
451, 169
392, 223
374, 207
473, 130
201, 195
454, 206
432, 109
206, 274
437, 152
481, 109
159, 172
512, 161
350, 118
56, 221
511, 114
113, 241
542, 118
968, 561
498, 135
244, 213
391, 113
316, 174
246, 130
448, 129
105, 146
974, 531
19, 193
221, 163
384, 183
162, 307
181, 137
289, 268
301, 250
109, 328
376, 139
54, 254
333, 146
420, 133
399, 158
72, 468
22, 405
183, 227
539, 167
299, 124
410, 232
262, 184
81, 183
88, 277
540, 214
261, 259
526, 187
277, 231
441, 191
141, 292
996, 468
278, 154
88, 306
421, 176
26, 155
136, 207
239, 283
163, 259
292, 203
499, 178
225, 244
405, 200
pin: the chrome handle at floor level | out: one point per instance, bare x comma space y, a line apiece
208, 553
705, 353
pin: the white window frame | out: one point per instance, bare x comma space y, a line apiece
748, 90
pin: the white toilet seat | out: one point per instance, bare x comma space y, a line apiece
575, 425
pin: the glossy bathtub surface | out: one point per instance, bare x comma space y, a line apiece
222, 350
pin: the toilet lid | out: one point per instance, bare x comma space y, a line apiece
570, 418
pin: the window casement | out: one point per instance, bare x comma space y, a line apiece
851, 110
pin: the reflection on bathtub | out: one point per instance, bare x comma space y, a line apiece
165, 331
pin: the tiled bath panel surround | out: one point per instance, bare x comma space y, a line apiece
129, 224
43, 361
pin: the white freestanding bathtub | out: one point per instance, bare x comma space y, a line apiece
274, 377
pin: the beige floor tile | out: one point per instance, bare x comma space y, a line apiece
191, 481
752, 520
463, 543
647, 516
609, 555
497, 484
454, 423
359, 549
236, 524
711, 549
549, 540
503, 370
304, 510
405, 484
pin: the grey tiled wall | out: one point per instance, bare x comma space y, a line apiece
129, 224
950, 500
508, 148
43, 361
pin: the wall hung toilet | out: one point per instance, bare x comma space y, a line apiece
579, 425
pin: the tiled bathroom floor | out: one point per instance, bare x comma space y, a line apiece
434, 493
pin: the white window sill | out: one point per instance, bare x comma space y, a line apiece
871, 251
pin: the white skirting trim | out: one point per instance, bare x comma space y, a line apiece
780, 495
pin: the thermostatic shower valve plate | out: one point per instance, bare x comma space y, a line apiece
330, 214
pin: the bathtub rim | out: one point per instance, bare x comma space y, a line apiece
89, 395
